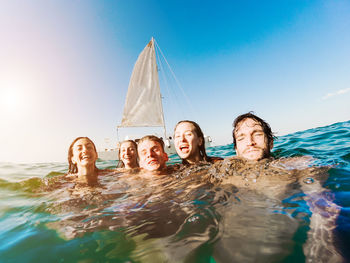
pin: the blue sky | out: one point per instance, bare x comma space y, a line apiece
65, 67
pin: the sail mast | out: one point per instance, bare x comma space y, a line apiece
162, 111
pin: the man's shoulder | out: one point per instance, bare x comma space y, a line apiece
214, 159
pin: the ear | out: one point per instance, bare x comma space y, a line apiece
271, 145
201, 142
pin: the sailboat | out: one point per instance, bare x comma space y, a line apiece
143, 105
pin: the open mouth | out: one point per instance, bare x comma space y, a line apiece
184, 148
153, 162
85, 157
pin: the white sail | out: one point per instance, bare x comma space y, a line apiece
143, 105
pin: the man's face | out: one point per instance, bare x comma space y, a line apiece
152, 156
251, 141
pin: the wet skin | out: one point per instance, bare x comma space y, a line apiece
251, 141
128, 155
187, 142
84, 154
152, 156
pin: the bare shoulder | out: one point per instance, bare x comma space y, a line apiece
215, 159
290, 163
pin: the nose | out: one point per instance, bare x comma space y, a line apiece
182, 138
149, 153
251, 140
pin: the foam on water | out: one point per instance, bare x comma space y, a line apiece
186, 218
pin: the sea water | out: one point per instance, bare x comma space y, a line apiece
128, 224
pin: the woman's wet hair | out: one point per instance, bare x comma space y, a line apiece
72, 168
120, 162
200, 134
265, 126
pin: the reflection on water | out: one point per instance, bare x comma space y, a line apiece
284, 210
274, 205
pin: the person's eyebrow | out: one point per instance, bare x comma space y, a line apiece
238, 132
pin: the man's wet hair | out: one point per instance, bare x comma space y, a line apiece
152, 138
265, 126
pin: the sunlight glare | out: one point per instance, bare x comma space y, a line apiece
10, 98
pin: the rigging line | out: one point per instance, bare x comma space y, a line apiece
178, 83
172, 94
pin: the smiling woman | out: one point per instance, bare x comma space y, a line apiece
190, 143
128, 155
82, 157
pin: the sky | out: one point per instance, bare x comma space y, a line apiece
65, 67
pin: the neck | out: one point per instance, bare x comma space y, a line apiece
149, 174
87, 174
153, 174
130, 166
194, 159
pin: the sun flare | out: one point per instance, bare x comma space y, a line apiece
10, 99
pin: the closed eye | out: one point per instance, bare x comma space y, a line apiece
258, 134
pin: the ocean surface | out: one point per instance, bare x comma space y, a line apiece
184, 219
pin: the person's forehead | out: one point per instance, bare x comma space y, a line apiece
148, 144
127, 144
248, 123
82, 142
185, 126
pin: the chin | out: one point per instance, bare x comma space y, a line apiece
254, 157
153, 168
86, 163
183, 156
